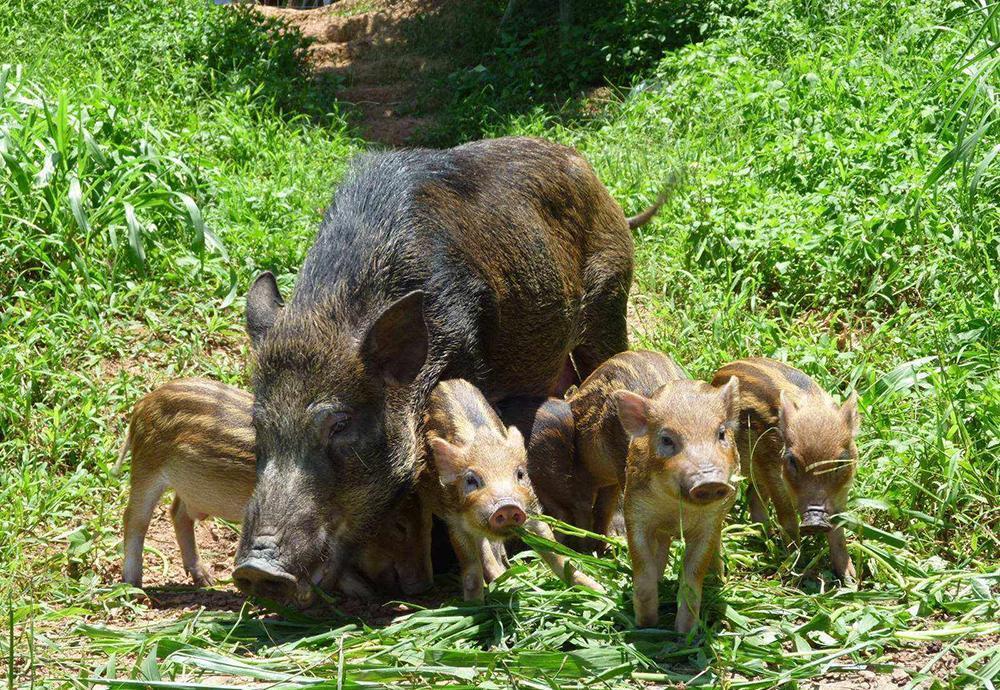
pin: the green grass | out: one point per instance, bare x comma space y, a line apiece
841, 212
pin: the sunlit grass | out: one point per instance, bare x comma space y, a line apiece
840, 212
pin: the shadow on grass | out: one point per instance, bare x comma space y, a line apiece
442, 72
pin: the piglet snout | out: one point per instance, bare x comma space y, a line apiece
708, 487
507, 516
815, 521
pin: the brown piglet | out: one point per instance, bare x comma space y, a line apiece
563, 486
798, 449
678, 483
196, 437
476, 480
601, 443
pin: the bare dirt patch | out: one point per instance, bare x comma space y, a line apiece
363, 44
908, 662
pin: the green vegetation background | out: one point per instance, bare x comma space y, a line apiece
841, 212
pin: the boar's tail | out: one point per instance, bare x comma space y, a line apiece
125, 449
640, 219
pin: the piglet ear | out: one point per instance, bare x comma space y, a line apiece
447, 459
731, 397
633, 411
514, 437
786, 410
396, 344
849, 411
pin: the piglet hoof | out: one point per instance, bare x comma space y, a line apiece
588, 582
201, 576
849, 576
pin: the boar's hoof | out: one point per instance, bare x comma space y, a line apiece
815, 522
710, 492
507, 516
258, 577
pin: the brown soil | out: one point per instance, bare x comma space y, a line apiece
908, 662
362, 42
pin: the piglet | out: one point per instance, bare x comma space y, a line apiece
476, 480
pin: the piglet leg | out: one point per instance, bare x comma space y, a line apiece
559, 564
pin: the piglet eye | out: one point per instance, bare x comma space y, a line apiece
666, 444
472, 482
791, 463
722, 433
520, 474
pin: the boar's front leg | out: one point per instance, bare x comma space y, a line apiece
605, 332
701, 550
469, 552
560, 565
648, 552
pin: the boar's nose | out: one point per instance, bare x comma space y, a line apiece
815, 521
708, 487
507, 516
263, 577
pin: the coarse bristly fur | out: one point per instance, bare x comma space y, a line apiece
196, 437
797, 446
492, 261
476, 480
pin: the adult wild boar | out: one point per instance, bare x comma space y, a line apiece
492, 261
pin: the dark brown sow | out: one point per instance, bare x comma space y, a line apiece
493, 261
195, 437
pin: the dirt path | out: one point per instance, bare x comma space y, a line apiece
365, 43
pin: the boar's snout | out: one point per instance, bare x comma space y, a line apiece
507, 515
707, 487
263, 577
815, 521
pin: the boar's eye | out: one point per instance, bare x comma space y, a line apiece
665, 445
472, 482
520, 474
339, 423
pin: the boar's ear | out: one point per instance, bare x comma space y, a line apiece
396, 344
514, 436
731, 397
786, 410
447, 459
849, 411
263, 304
633, 411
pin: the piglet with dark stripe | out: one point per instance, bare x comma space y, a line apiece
797, 446
601, 442
197, 438
564, 487
476, 480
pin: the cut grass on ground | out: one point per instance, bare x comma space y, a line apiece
157, 155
